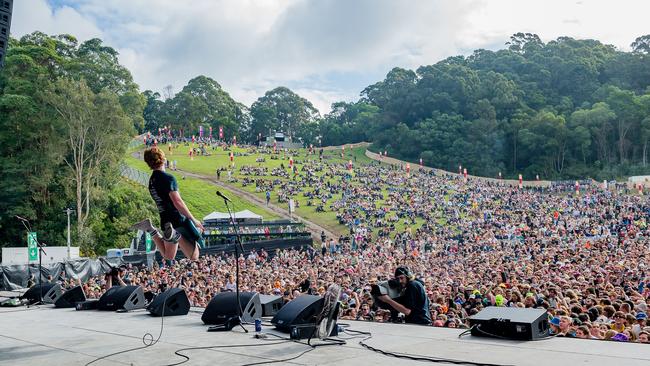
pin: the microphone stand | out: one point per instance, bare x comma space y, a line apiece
238, 246
41, 251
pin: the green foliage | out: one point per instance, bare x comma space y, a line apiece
54, 94
282, 110
346, 123
96, 132
564, 109
568, 108
123, 205
202, 102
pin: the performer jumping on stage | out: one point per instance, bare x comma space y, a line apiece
412, 302
180, 227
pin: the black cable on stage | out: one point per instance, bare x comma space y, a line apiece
147, 338
466, 331
187, 358
414, 357
283, 360
333, 342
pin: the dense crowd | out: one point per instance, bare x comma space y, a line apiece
582, 257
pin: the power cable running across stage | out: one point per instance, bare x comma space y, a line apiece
415, 357
147, 339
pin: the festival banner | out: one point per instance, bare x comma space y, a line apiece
32, 247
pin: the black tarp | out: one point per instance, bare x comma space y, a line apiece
13, 277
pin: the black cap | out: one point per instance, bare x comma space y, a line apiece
402, 270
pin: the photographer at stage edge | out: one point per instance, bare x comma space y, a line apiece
413, 301
115, 277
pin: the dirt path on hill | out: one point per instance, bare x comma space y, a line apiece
313, 228
415, 167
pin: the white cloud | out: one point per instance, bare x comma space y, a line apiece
326, 50
36, 15
617, 23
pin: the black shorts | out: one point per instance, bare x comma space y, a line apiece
186, 228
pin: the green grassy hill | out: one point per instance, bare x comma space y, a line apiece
199, 194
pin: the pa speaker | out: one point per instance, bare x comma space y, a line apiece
301, 310
271, 304
511, 323
171, 302
51, 292
224, 306
87, 305
124, 298
70, 298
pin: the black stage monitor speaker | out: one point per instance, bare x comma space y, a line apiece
51, 292
271, 304
224, 306
510, 323
299, 316
87, 305
123, 298
174, 301
70, 298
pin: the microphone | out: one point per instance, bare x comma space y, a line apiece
20, 218
224, 197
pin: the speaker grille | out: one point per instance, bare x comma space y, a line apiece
174, 301
224, 306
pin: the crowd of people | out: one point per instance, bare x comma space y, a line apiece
471, 243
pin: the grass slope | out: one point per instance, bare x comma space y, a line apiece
197, 192
200, 195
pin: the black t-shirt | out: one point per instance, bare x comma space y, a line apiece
415, 299
305, 285
160, 184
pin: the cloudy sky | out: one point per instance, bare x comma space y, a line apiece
325, 50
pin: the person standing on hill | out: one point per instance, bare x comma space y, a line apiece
180, 227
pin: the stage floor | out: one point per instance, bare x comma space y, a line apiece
48, 336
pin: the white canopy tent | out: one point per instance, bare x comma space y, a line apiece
245, 216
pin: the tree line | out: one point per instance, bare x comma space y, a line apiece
564, 109
67, 113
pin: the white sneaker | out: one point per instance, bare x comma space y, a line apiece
144, 225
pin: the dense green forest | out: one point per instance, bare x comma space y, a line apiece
67, 113
563, 109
